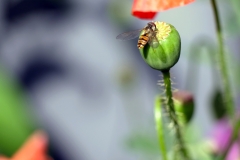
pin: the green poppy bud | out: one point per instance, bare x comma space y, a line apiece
184, 105
165, 54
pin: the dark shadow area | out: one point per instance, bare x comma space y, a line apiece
18, 10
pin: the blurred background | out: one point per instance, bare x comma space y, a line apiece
63, 71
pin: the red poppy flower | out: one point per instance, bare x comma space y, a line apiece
33, 149
147, 9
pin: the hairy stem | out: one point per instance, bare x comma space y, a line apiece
172, 115
226, 83
228, 98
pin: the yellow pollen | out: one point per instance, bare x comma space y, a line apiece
163, 30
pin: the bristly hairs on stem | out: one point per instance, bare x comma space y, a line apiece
170, 110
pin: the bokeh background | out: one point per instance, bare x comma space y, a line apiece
63, 71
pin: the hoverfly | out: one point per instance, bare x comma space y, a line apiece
148, 36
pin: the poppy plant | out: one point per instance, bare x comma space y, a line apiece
219, 139
147, 9
33, 149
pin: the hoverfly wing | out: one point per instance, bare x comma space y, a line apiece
129, 35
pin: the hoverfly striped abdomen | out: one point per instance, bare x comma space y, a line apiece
142, 41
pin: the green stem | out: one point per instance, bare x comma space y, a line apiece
172, 115
226, 83
228, 98
159, 126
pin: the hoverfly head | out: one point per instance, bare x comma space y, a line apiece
152, 26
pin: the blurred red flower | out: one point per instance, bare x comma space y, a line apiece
147, 9
33, 149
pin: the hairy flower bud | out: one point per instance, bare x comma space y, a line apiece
166, 54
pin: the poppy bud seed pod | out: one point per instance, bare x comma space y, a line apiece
166, 54
184, 105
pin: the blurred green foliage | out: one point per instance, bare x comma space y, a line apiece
15, 124
236, 17
143, 143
